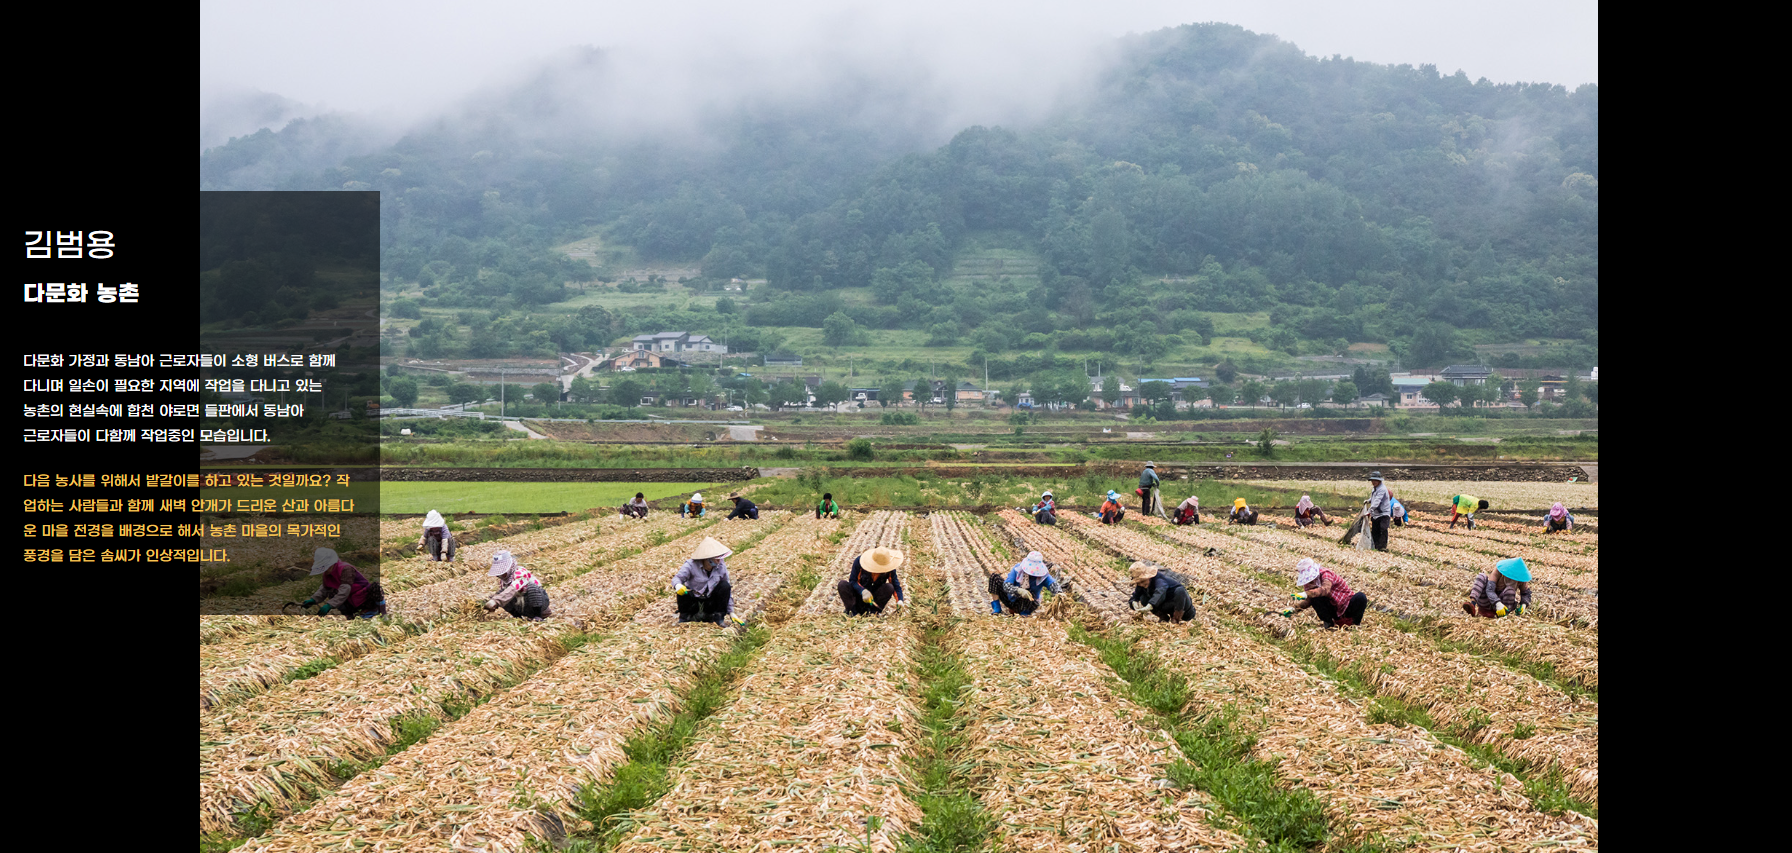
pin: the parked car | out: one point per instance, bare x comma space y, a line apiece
736, 409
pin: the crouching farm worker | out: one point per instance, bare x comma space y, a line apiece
636, 508
743, 508
1112, 512
1046, 511
438, 540
1508, 591
1018, 591
872, 583
1242, 513
1189, 511
692, 508
1328, 595
1161, 591
1305, 513
827, 508
519, 593
1559, 521
344, 588
1465, 506
701, 587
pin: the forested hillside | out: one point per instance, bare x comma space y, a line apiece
1209, 170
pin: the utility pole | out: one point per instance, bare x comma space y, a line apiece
500, 393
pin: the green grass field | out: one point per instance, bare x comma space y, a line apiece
404, 498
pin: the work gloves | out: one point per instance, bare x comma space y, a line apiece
865, 595
491, 604
1499, 609
308, 602
1288, 611
1298, 596
1139, 607
681, 590
324, 610
1522, 608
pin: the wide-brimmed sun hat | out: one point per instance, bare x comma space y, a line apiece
709, 549
1375, 475
1306, 571
1034, 564
502, 563
1142, 571
323, 560
881, 560
1514, 569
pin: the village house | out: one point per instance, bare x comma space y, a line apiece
638, 359
677, 342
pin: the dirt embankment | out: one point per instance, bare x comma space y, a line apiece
568, 475
1527, 473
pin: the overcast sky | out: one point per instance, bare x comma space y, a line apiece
407, 60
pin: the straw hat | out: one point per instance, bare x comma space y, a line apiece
710, 548
1306, 571
881, 560
1143, 571
734, 497
323, 560
502, 563
1034, 564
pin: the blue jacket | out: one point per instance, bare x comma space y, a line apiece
1148, 478
1033, 584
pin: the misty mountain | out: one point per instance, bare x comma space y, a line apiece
1353, 201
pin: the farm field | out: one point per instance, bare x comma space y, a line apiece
1500, 496
1084, 727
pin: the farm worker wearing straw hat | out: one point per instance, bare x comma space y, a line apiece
1046, 511
743, 508
1508, 591
1305, 513
1558, 520
1328, 595
636, 508
438, 540
827, 508
1161, 591
872, 582
1381, 512
1189, 511
1465, 506
1112, 512
700, 587
692, 508
519, 593
1020, 589
1148, 483
1242, 513
344, 588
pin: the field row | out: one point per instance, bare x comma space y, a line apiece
1500, 494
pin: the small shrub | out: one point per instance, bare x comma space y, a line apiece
859, 450
899, 419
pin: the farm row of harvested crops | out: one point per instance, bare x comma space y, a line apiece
1581, 579
1511, 712
818, 748
1502, 494
281, 748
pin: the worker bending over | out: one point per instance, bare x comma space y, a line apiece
743, 508
344, 588
692, 508
1242, 513
700, 587
1328, 595
1019, 591
519, 593
1558, 521
636, 508
1112, 512
1465, 506
1305, 513
1507, 591
438, 540
872, 582
827, 508
1189, 511
1161, 591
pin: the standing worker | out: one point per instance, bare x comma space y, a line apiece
438, 540
1305, 513
743, 508
1148, 483
700, 586
1189, 511
1161, 591
1465, 506
1507, 591
1328, 595
344, 588
519, 592
872, 582
1242, 513
1559, 521
1046, 511
1020, 589
692, 508
1381, 512
636, 508
827, 508
1112, 512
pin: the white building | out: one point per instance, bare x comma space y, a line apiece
677, 342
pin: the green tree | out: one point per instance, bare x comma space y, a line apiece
404, 391
1221, 395
923, 392
582, 390
942, 334
1344, 392
1592, 392
1110, 390
831, 392
839, 330
1155, 391
789, 392
1442, 392
754, 392
702, 386
546, 392
1266, 442
950, 384
627, 392
1527, 392
462, 392
1571, 387
1251, 392
890, 394
1284, 393
1313, 391
1226, 371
